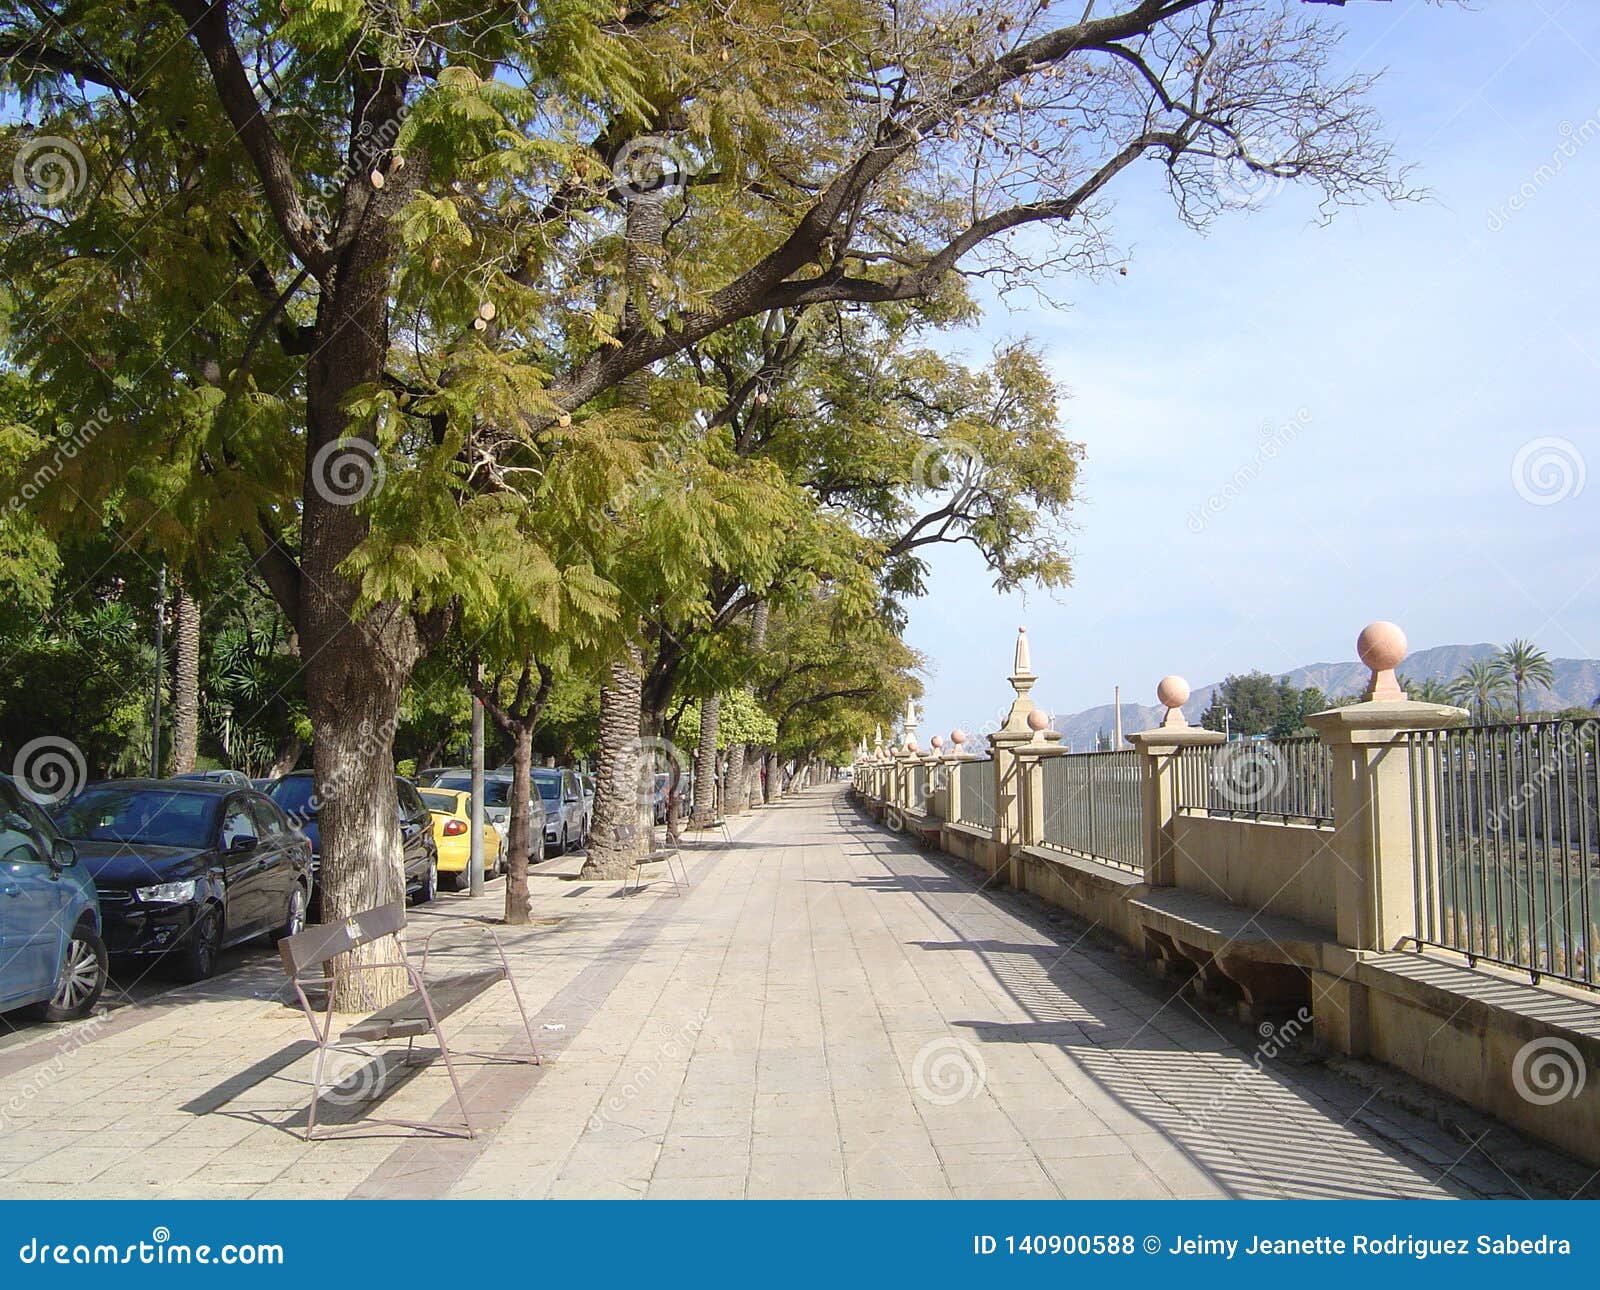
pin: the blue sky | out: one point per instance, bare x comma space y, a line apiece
1381, 374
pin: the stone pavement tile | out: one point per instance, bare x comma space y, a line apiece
881, 1178
701, 1187
1105, 1178
682, 1157
598, 1189
1073, 1148
608, 1160
1001, 1180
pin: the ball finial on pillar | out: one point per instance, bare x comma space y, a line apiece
1173, 693
958, 737
938, 742
1382, 647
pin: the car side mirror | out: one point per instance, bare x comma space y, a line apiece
245, 843
63, 855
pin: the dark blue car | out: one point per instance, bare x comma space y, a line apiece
185, 868
51, 954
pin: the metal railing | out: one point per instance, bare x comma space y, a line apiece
1092, 806
1258, 779
1506, 844
977, 793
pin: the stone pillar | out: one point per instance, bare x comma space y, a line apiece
1158, 777
1009, 770
1375, 892
952, 775
1031, 758
938, 792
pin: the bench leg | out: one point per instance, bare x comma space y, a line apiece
316, 1093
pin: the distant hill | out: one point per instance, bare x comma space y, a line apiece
1576, 685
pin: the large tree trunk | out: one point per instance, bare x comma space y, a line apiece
353, 693
771, 787
615, 837
520, 842
705, 766
186, 683
737, 795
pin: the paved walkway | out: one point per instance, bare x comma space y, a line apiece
827, 1013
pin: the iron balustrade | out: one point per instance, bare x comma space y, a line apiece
919, 789
977, 793
1092, 806
1258, 779
1506, 844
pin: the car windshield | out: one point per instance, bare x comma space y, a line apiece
549, 784
437, 801
294, 793
155, 816
496, 792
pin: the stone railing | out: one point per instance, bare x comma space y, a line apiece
1302, 879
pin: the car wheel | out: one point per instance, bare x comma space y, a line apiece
294, 918
83, 977
461, 881
199, 957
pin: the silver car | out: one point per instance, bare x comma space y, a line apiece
497, 804
566, 823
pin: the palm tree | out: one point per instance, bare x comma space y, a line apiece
1480, 686
1428, 691
1523, 664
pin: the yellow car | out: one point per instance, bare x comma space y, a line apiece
452, 830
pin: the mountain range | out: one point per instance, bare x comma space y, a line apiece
1577, 683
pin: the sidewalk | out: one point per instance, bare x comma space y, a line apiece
827, 1013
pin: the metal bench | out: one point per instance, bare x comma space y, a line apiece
418, 1013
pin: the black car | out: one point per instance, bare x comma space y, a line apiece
296, 794
185, 868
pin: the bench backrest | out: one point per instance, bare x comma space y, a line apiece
316, 945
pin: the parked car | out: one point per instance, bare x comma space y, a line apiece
565, 823
186, 868
663, 784
51, 954
430, 777
452, 835
496, 803
295, 793
218, 777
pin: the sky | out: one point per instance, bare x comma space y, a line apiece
1409, 393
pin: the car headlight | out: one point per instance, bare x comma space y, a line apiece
168, 893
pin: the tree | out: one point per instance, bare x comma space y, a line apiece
1524, 664
275, 279
185, 680
1479, 688
1426, 691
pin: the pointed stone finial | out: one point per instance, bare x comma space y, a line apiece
1382, 647
1173, 693
1023, 664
